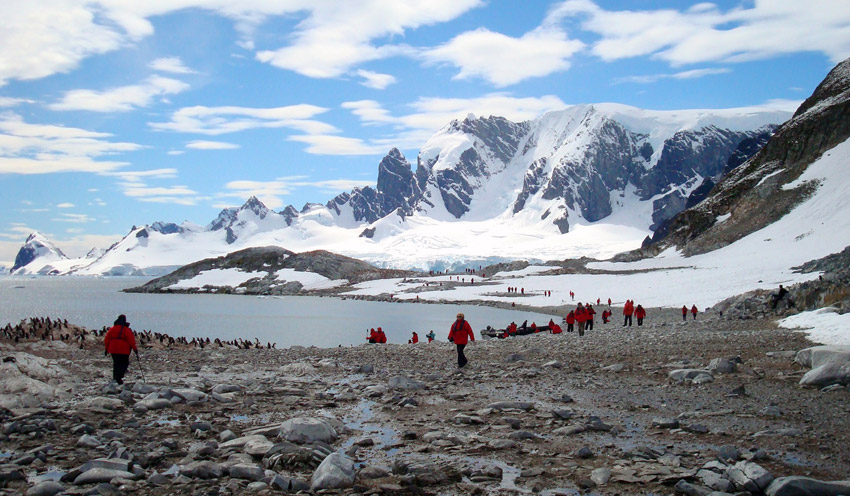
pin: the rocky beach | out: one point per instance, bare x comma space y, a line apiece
707, 405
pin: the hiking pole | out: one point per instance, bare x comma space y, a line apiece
141, 369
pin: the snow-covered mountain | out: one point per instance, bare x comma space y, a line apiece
589, 180
38, 247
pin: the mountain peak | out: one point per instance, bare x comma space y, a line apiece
36, 246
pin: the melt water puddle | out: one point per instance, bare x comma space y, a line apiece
5, 454
261, 419
54, 475
364, 421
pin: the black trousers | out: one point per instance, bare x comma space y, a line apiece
570, 327
627, 320
640, 321
119, 367
461, 358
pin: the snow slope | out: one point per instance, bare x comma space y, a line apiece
817, 227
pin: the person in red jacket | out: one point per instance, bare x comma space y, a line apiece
373, 336
591, 316
694, 311
119, 341
628, 310
382, 338
415, 338
460, 334
581, 318
570, 319
640, 314
684, 312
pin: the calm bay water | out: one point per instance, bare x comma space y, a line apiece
287, 321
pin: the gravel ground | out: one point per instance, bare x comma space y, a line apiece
574, 405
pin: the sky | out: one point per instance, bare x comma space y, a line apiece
117, 113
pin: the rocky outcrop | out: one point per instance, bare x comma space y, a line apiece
753, 191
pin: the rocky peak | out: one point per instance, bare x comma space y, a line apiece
37, 245
834, 85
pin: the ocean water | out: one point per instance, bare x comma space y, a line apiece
289, 320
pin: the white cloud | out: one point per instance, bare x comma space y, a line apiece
211, 145
74, 218
42, 148
65, 205
270, 192
431, 114
170, 64
6, 101
120, 99
375, 80
503, 60
336, 36
337, 145
221, 120
651, 78
704, 33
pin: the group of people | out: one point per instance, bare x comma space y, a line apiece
694, 312
581, 318
630, 310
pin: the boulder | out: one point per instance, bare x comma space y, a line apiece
335, 472
690, 375
805, 486
98, 474
405, 383
202, 470
819, 355
749, 476
46, 488
828, 374
250, 472
722, 366
305, 430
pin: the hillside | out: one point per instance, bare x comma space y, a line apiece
267, 271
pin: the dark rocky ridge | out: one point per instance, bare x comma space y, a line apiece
821, 122
268, 260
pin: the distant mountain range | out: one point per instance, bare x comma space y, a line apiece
589, 180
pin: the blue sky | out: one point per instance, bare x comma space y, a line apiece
114, 114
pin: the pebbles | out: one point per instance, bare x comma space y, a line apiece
394, 418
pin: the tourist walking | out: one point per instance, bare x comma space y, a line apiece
694, 311
684, 312
628, 310
119, 341
640, 314
570, 319
581, 318
460, 334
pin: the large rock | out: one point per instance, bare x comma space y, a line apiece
98, 474
335, 472
827, 374
690, 375
804, 486
405, 383
749, 476
819, 355
305, 430
202, 470
46, 488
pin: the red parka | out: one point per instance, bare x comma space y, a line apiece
119, 340
628, 308
640, 312
581, 314
571, 318
460, 331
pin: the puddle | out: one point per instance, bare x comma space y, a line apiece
164, 421
239, 418
54, 475
797, 461
5, 454
363, 422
